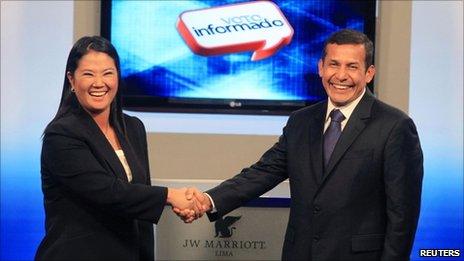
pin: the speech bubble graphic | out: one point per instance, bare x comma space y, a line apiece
258, 26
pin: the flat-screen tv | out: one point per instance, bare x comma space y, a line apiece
161, 73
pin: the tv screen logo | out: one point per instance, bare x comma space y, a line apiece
255, 26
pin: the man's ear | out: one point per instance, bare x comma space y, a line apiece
320, 64
370, 73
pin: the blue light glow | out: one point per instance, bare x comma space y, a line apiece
156, 62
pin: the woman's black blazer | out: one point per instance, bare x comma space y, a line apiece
92, 212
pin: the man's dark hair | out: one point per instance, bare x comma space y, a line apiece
349, 36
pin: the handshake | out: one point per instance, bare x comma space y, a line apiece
188, 203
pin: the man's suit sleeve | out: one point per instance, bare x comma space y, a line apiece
70, 162
254, 181
403, 172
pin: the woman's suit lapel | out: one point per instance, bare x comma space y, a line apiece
98, 142
138, 173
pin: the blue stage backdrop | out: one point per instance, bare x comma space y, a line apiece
32, 74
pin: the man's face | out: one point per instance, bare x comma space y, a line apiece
343, 72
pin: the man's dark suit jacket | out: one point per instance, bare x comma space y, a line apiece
92, 212
363, 206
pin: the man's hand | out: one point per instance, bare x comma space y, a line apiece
202, 199
189, 206
202, 204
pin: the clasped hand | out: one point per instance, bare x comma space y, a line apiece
188, 203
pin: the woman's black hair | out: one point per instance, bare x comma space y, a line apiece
69, 100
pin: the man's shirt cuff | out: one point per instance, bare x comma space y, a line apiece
213, 206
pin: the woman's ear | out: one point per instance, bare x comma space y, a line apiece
71, 80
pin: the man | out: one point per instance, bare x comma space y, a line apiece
354, 164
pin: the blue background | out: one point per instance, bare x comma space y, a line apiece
32, 75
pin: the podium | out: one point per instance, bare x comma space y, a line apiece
253, 232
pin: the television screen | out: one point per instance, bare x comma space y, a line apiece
161, 72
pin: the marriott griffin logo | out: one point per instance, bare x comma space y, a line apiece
223, 226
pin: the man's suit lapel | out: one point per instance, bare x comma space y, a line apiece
315, 141
99, 143
353, 128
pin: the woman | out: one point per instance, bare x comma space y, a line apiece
99, 203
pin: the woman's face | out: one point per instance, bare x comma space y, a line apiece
95, 82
